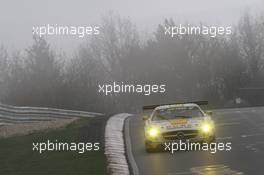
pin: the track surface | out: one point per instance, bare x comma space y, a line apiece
243, 127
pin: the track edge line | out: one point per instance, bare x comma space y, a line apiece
130, 158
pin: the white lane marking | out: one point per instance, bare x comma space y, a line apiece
243, 136
250, 135
252, 147
224, 138
255, 147
228, 124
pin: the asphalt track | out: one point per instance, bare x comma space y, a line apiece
243, 127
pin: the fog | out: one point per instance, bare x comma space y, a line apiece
18, 16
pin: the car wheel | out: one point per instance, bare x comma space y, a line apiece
212, 139
149, 148
209, 140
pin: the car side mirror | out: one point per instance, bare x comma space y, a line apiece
210, 113
145, 117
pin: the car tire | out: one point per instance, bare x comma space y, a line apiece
150, 148
212, 139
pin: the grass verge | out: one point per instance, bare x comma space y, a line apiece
17, 157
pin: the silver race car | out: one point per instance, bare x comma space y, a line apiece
175, 122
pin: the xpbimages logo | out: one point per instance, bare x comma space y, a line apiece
146, 89
79, 31
50, 146
211, 31
192, 146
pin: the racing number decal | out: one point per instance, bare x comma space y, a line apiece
179, 122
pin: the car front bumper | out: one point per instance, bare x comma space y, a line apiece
161, 142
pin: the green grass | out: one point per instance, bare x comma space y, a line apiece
17, 157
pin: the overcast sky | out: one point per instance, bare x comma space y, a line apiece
18, 16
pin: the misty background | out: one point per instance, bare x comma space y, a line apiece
131, 48
18, 16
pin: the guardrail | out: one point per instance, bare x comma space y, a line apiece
15, 114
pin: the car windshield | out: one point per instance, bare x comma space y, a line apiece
177, 113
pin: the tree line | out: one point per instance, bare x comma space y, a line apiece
193, 67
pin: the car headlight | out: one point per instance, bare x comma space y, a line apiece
207, 127
153, 132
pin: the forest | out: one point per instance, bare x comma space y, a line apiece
219, 69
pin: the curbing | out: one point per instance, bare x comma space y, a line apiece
115, 145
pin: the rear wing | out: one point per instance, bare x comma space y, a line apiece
149, 107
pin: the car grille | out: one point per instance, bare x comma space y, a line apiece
180, 135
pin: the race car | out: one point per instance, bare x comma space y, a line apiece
175, 122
